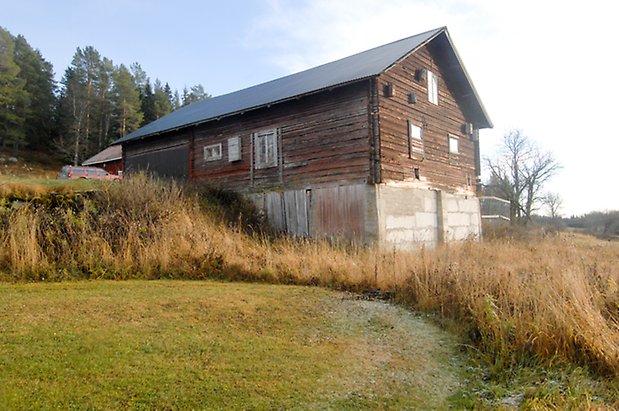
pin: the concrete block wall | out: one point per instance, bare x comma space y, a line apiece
462, 217
411, 218
407, 217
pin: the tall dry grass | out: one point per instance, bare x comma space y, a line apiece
553, 298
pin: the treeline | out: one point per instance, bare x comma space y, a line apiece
604, 223
95, 103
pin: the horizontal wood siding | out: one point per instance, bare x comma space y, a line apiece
166, 156
112, 167
324, 138
436, 165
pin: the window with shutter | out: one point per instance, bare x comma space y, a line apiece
234, 149
265, 148
432, 88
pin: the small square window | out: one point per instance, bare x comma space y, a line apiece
265, 148
453, 144
432, 88
213, 152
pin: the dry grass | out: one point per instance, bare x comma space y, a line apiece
546, 299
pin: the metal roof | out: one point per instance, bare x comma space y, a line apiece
112, 153
360, 66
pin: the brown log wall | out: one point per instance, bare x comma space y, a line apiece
437, 166
324, 140
166, 155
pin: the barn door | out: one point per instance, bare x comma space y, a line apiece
296, 212
288, 211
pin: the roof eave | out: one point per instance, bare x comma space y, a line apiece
128, 137
107, 160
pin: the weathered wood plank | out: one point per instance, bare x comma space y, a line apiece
436, 165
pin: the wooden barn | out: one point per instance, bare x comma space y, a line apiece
109, 159
380, 147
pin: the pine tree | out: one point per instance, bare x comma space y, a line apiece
127, 111
38, 77
104, 105
139, 77
13, 96
85, 105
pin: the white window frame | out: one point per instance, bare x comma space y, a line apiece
415, 132
432, 88
213, 152
415, 139
234, 149
454, 144
266, 149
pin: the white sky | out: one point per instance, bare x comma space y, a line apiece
548, 67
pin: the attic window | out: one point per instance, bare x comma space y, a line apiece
432, 88
213, 152
414, 131
453, 144
265, 147
415, 140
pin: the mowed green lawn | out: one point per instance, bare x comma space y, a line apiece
213, 345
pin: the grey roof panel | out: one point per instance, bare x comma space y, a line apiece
111, 153
359, 66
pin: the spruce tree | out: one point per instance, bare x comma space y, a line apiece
161, 100
38, 77
196, 93
148, 104
176, 101
13, 96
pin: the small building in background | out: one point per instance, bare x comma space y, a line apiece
109, 159
380, 147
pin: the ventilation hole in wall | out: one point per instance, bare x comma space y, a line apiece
416, 173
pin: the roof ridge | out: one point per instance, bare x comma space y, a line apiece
352, 68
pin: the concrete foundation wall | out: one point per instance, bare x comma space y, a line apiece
407, 218
411, 218
462, 217
392, 216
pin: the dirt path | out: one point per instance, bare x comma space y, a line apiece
392, 350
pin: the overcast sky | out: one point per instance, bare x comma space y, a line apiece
548, 67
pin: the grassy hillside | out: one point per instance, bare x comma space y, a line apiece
210, 345
30, 163
33, 173
527, 306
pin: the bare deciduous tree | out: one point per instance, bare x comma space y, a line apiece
518, 173
554, 202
